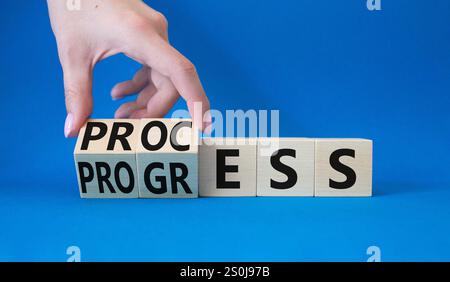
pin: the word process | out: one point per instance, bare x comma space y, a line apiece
165, 158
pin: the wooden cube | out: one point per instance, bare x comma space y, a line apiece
105, 159
227, 167
285, 167
343, 167
167, 159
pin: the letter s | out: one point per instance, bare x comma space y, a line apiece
346, 170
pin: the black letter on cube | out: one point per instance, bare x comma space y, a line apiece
222, 169
347, 171
85, 178
122, 138
88, 133
275, 161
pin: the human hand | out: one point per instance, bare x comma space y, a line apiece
102, 28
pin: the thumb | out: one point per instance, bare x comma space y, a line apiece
78, 97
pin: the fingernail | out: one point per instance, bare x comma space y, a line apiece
68, 124
208, 129
120, 115
207, 122
207, 117
123, 113
115, 98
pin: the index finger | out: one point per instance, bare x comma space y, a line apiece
160, 55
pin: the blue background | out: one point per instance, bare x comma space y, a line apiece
332, 68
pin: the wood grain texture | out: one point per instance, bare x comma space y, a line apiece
243, 166
297, 179
113, 171
171, 163
360, 163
